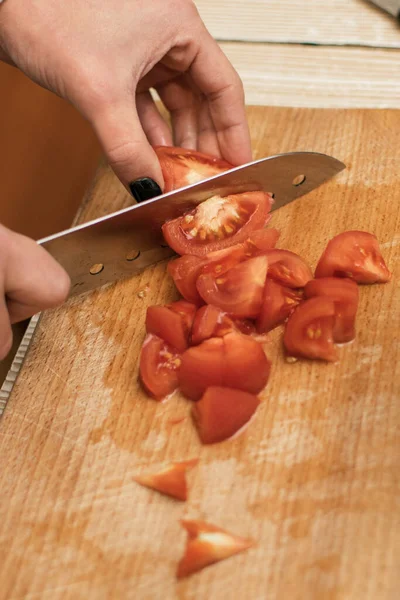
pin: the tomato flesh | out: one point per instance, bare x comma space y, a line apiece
309, 330
278, 304
235, 361
356, 255
239, 291
159, 364
187, 312
222, 412
344, 293
288, 268
217, 223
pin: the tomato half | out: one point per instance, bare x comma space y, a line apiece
344, 293
288, 268
182, 167
238, 292
354, 254
159, 364
309, 330
222, 412
171, 323
235, 361
278, 304
217, 223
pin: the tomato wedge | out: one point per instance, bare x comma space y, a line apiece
217, 223
181, 167
159, 364
344, 293
186, 310
261, 240
278, 304
235, 361
222, 412
288, 268
210, 321
239, 291
354, 254
309, 330
172, 323
170, 481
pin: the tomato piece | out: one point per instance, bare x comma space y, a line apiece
211, 321
261, 240
278, 304
309, 330
159, 364
207, 544
222, 412
187, 311
239, 291
234, 361
217, 223
288, 268
167, 325
344, 293
182, 167
354, 254
170, 481
185, 271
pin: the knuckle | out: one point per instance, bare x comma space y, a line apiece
122, 155
59, 290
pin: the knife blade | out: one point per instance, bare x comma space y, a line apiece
122, 244
390, 6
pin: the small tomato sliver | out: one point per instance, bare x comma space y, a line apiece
207, 544
170, 481
354, 254
288, 268
167, 325
185, 271
278, 304
159, 364
344, 293
239, 292
309, 330
217, 223
222, 412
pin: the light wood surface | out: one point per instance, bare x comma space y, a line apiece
314, 479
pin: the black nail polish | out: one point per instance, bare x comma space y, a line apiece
144, 189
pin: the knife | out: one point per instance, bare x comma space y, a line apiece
126, 242
390, 6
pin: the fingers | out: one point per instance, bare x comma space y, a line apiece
180, 101
5, 329
218, 81
207, 136
156, 129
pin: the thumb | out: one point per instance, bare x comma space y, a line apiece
128, 151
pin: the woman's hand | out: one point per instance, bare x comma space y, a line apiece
105, 55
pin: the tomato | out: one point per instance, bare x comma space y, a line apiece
171, 323
222, 412
354, 254
262, 239
187, 311
278, 303
182, 167
217, 223
309, 330
235, 361
159, 364
288, 268
344, 293
239, 291
170, 481
211, 321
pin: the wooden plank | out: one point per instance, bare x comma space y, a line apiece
309, 76
343, 22
314, 478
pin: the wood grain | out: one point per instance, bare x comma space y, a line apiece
315, 477
341, 22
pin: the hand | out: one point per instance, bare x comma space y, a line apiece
104, 56
30, 281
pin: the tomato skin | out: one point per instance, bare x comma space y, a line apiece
309, 330
235, 361
159, 364
344, 293
238, 292
288, 268
218, 223
356, 255
278, 304
181, 167
222, 412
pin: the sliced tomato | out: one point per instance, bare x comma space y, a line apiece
217, 223
309, 330
239, 291
186, 310
261, 240
354, 254
278, 304
288, 268
159, 364
344, 293
170, 481
181, 167
206, 545
234, 361
211, 321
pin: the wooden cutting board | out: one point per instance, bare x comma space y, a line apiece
315, 477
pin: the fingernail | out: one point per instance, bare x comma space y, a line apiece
144, 189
